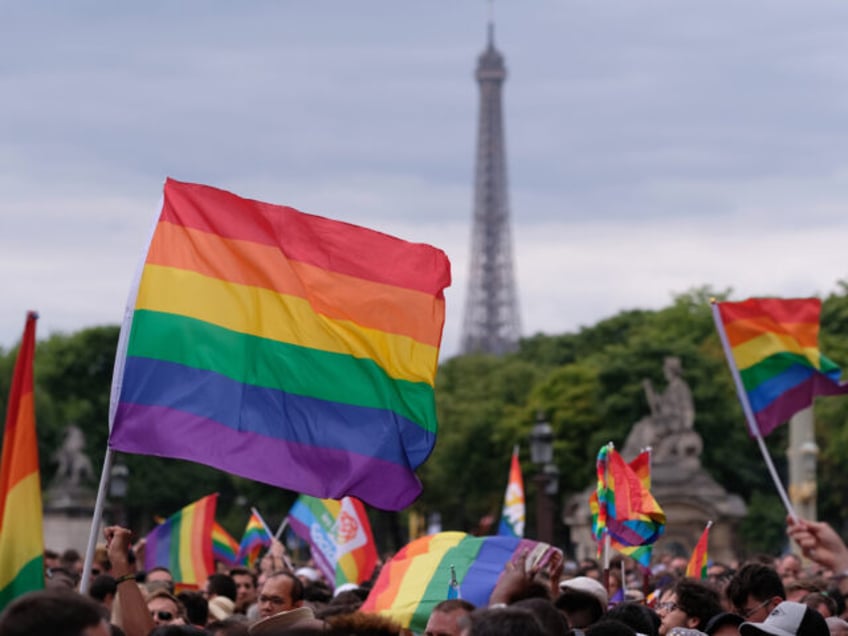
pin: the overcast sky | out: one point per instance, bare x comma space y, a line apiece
653, 145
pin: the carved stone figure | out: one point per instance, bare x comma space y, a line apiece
669, 429
74, 466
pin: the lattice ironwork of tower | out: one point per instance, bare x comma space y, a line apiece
491, 323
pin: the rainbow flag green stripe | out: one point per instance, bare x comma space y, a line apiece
276, 365
183, 543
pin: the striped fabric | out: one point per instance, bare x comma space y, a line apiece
697, 566
283, 347
254, 540
183, 543
21, 523
224, 547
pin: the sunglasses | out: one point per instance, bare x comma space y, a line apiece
162, 615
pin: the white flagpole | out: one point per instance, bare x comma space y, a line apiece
749, 413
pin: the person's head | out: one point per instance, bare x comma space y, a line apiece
724, 624
245, 588
195, 608
221, 585
281, 591
583, 600
158, 578
690, 605
228, 627
837, 626
507, 621
607, 627
164, 607
61, 578
445, 617
789, 567
51, 559
550, 618
820, 602
51, 612
754, 591
72, 561
788, 619
640, 617
103, 589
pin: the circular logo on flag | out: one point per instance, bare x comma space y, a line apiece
347, 528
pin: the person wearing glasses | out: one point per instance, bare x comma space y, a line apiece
754, 591
165, 608
282, 591
691, 604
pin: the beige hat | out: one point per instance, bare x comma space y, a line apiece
586, 586
220, 607
300, 617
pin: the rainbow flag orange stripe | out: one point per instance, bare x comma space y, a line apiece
183, 543
306, 347
21, 523
253, 541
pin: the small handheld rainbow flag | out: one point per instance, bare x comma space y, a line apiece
772, 348
253, 541
21, 534
512, 518
697, 566
183, 543
224, 547
339, 537
641, 467
626, 509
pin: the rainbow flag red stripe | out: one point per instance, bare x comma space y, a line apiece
224, 547
774, 349
339, 537
305, 347
21, 523
697, 566
253, 541
419, 575
183, 543
512, 517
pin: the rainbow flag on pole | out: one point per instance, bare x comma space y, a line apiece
772, 347
305, 347
339, 536
224, 547
253, 541
183, 543
21, 523
419, 575
697, 566
512, 518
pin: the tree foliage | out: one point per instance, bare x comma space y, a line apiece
588, 385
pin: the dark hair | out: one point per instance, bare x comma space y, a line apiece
453, 604
222, 585
228, 627
507, 621
243, 572
699, 600
177, 630
760, 582
550, 618
640, 617
102, 586
50, 612
610, 627
196, 607
720, 620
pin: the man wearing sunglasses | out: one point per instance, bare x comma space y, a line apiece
164, 608
754, 591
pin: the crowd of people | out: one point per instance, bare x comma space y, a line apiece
786, 596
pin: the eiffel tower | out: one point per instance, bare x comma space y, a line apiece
491, 323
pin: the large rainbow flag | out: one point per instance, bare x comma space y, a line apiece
21, 523
224, 547
253, 541
419, 576
512, 517
772, 347
283, 347
183, 543
339, 537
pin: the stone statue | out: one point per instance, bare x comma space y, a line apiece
74, 466
669, 429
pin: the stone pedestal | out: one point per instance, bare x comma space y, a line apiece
68, 511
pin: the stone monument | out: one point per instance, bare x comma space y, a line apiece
69, 500
689, 496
